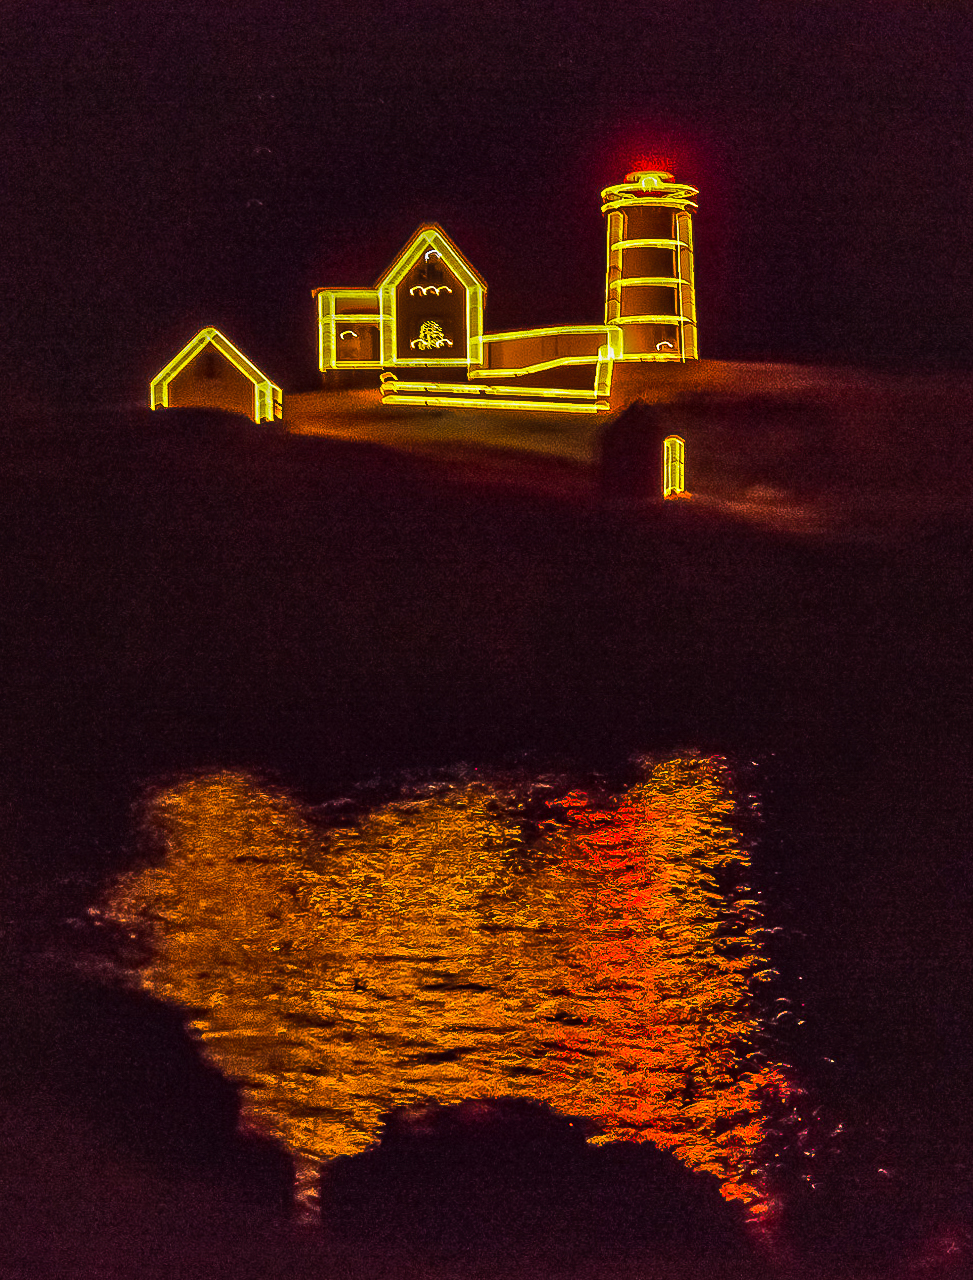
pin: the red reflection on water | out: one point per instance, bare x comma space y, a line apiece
673, 960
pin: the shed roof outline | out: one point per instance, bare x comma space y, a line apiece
223, 344
267, 395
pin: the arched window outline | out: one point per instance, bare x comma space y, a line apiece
431, 272
673, 466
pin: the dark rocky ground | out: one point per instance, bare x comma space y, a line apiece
185, 590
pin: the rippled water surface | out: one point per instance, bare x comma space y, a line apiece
446, 946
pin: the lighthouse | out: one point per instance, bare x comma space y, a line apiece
650, 298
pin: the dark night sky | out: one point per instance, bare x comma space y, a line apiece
172, 165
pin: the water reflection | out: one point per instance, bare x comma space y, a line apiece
438, 947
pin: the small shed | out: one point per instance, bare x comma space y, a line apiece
639, 459
211, 373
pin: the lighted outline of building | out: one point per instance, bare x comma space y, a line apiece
267, 397
370, 328
650, 315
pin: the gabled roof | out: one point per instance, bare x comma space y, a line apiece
430, 236
223, 344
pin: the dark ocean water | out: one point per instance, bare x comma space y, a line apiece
784, 1006
604, 952
239, 673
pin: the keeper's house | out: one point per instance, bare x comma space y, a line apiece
420, 328
210, 372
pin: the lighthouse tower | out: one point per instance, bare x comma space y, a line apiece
650, 298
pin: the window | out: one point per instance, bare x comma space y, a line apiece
673, 466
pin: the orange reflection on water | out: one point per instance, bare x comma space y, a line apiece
670, 961
427, 950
